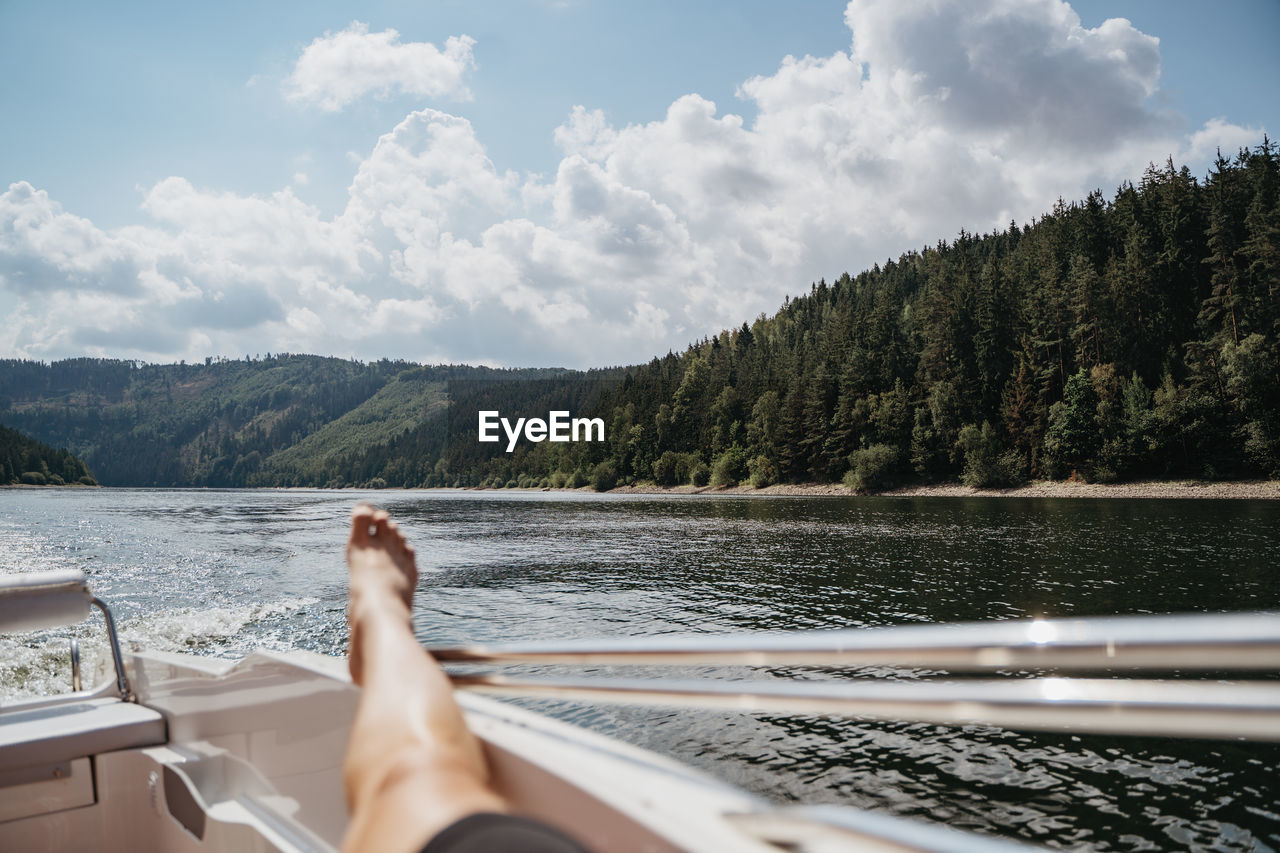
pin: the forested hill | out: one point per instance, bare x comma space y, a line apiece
25, 461
1136, 337
1130, 337
1111, 339
278, 420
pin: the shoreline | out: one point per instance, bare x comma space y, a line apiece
1158, 489
1142, 489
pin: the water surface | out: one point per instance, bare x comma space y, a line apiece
223, 572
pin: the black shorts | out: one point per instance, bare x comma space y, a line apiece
489, 832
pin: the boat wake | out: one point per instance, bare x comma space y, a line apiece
38, 663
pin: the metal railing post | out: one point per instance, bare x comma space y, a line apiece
75, 665
122, 680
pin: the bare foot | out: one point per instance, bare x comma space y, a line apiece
382, 574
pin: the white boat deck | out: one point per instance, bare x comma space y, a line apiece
54, 734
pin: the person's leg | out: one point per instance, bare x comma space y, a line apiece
412, 766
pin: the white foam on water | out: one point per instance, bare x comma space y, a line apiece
39, 663
208, 630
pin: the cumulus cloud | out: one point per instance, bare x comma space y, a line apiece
941, 115
1023, 69
339, 68
43, 248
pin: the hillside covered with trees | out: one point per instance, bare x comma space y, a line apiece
277, 420
25, 461
1136, 337
1122, 338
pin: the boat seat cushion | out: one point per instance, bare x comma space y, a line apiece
61, 732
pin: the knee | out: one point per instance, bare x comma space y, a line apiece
371, 778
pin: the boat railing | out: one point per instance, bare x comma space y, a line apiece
37, 601
1019, 652
829, 827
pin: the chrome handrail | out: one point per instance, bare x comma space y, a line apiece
829, 827
1205, 641
122, 678
76, 686
40, 600
1197, 709
1178, 708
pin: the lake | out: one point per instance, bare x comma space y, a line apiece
223, 572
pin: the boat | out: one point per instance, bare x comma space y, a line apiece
178, 752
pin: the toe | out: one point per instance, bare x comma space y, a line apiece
362, 519
384, 528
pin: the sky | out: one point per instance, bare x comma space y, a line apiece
539, 183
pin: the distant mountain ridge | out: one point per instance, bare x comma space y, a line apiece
278, 420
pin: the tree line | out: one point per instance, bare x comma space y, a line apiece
1135, 337
25, 461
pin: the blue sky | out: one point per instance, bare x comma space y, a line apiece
132, 93
183, 184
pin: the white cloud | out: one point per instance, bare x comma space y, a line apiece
339, 68
43, 248
941, 115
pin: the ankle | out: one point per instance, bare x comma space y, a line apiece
376, 603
